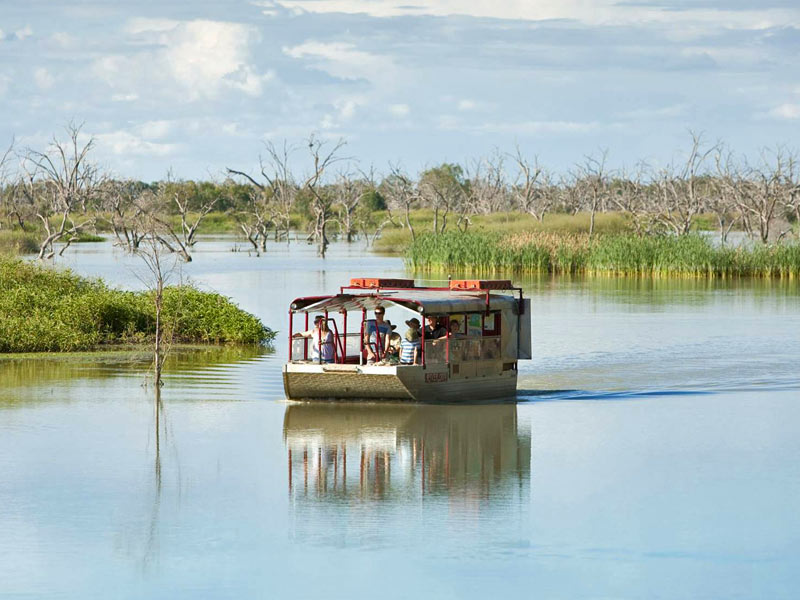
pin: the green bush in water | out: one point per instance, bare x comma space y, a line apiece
44, 309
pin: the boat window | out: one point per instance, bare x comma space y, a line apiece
491, 324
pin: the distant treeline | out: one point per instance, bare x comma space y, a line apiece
58, 192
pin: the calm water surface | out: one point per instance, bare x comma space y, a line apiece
653, 453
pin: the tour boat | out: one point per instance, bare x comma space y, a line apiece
474, 359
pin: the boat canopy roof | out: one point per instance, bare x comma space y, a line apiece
429, 301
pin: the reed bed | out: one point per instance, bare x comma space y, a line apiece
18, 242
625, 254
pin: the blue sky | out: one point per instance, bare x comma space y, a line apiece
199, 85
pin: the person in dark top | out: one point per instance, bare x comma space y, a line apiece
433, 330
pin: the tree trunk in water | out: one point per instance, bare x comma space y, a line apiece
157, 346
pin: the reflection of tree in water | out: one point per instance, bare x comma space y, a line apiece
141, 534
22, 378
339, 452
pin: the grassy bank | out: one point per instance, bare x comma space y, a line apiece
48, 310
397, 240
622, 254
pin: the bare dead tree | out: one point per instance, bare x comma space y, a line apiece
533, 189
59, 182
152, 207
631, 194
683, 191
255, 220
791, 195
121, 201
485, 191
278, 190
592, 184
401, 192
348, 192
763, 193
323, 157
159, 271
191, 214
12, 202
722, 200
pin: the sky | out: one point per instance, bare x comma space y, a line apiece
195, 86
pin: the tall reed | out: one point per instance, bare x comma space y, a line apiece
611, 254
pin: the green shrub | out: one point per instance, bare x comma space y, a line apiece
44, 309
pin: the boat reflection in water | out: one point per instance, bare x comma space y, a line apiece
365, 460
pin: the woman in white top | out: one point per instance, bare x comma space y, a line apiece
322, 340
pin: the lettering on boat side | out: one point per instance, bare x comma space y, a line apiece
435, 377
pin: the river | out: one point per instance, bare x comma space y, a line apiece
653, 452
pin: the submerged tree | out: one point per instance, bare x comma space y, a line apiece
60, 184
323, 157
122, 201
401, 192
159, 271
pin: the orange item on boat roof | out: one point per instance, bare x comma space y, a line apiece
480, 284
376, 282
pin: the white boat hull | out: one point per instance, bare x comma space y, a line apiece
467, 382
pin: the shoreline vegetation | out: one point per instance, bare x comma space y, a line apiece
589, 218
605, 254
53, 310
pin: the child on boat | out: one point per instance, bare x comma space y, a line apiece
410, 346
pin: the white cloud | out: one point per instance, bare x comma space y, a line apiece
64, 39
344, 60
399, 110
346, 107
126, 143
141, 25
43, 79
23, 33
155, 129
124, 97
198, 59
453, 123
663, 112
268, 7
467, 105
786, 111
587, 11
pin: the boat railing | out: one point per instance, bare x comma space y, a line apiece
461, 349
302, 348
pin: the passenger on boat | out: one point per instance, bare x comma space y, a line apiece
410, 346
455, 329
433, 330
393, 345
373, 329
321, 338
